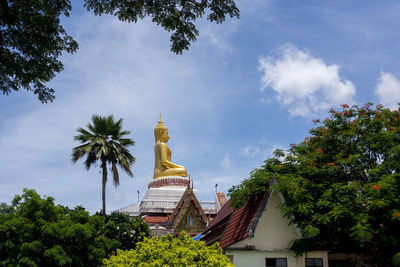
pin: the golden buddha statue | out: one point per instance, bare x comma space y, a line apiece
163, 165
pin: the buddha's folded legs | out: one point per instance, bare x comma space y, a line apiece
174, 172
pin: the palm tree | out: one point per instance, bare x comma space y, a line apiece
104, 141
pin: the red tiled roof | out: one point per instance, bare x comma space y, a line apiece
221, 198
155, 219
225, 211
240, 222
215, 230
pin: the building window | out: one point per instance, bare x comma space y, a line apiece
314, 262
275, 262
190, 221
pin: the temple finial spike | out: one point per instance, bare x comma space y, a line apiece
160, 119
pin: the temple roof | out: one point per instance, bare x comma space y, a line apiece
188, 198
222, 214
132, 210
215, 229
241, 223
155, 219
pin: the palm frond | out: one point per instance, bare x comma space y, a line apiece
84, 135
90, 160
115, 174
125, 161
79, 152
124, 133
126, 142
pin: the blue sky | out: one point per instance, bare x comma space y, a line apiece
245, 88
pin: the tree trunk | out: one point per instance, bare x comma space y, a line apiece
104, 167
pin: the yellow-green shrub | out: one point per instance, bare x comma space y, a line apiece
169, 251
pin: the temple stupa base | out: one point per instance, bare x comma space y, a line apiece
164, 194
170, 181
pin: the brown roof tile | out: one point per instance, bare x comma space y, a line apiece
225, 211
240, 222
216, 227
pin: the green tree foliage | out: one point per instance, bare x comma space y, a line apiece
31, 41
35, 232
174, 16
341, 184
126, 231
169, 251
104, 141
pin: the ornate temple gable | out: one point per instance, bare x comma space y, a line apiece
188, 215
190, 222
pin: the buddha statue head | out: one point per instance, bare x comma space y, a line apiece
161, 132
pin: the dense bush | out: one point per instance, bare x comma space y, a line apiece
35, 232
125, 230
169, 251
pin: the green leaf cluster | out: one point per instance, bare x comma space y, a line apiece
341, 184
36, 232
169, 251
31, 41
126, 231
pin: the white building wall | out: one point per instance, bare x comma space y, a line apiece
248, 258
273, 231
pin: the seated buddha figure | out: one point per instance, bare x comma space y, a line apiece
163, 165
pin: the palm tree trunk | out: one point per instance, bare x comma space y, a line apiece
104, 167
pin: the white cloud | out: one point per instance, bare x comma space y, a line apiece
218, 35
388, 90
261, 151
250, 151
303, 83
226, 162
252, 8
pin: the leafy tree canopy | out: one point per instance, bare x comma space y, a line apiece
126, 231
169, 251
31, 40
174, 16
341, 184
35, 232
